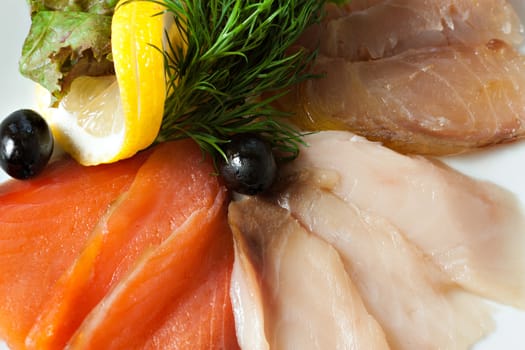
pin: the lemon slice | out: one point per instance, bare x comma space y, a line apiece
105, 119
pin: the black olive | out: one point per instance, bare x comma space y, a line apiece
250, 166
26, 144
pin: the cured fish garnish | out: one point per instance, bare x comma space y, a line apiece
177, 295
419, 242
473, 230
425, 77
416, 303
139, 229
385, 28
161, 198
436, 100
290, 288
44, 224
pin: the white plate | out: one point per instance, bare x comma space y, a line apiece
504, 165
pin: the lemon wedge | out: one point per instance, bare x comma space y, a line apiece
105, 119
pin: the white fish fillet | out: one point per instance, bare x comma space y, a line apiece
246, 295
359, 5
386, 28
474, 231
308, 300
434, 101
417, 305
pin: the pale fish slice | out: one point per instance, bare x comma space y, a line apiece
431, 101
386, 28
294, 285
473, 230
418, 306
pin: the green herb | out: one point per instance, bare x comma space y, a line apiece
237, 59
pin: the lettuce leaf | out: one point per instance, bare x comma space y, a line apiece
101, 7
63, 45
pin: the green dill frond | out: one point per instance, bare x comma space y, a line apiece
236, 59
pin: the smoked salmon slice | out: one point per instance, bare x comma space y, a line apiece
44, 225
171, 186
176, 297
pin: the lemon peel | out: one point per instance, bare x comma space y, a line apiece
106, 119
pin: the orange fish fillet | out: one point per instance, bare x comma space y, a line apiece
44, 224
177, 295
171, 186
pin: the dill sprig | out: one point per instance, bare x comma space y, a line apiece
235, 60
